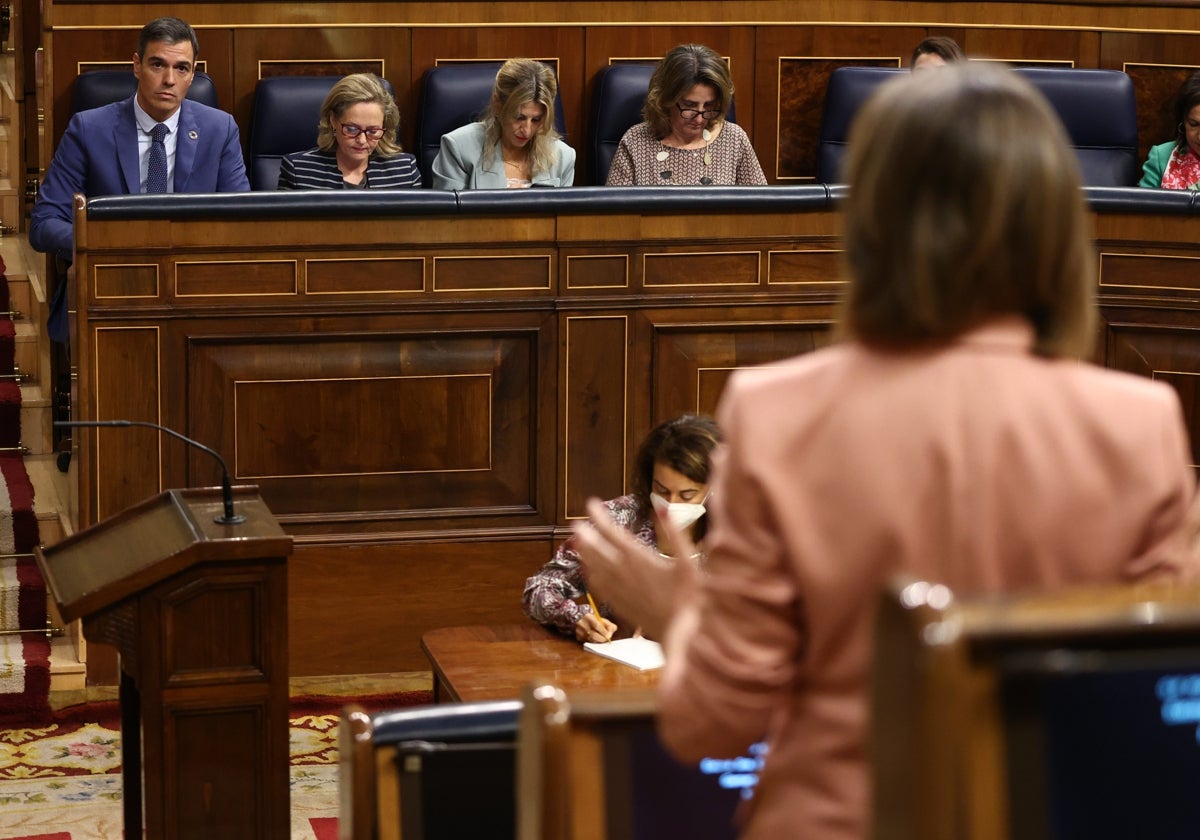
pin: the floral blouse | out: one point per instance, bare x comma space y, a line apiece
549, 595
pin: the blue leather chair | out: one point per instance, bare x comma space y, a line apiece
449, 770
284, 119
1097, 108
1099, 111
847, 90
101, 87
617, 99
453, 95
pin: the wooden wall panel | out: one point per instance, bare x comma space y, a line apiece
376, 425
126, 385
1158, 63
412, 489
695, 356
322, 51
593, 402
363, 608
1165, 351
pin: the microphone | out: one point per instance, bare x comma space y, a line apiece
229, 517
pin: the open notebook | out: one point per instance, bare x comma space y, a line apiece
637, 651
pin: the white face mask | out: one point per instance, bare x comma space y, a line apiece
681, 514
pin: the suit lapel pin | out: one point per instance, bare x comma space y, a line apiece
192, 135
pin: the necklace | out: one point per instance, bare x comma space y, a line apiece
664, 155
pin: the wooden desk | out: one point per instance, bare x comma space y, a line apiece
498, 662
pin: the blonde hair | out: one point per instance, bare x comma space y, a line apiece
684, 67
965, 204
519, 82
355, 89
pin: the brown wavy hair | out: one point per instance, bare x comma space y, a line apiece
684, 67
685, 444
964, 205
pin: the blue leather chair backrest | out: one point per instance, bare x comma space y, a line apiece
463, 781
848, 89
1099, 111
453, 95
102, 87
617, 99
284, 119
1097, 108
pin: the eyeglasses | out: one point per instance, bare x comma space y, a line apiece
353, 131
692, 113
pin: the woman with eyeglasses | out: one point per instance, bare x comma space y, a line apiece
685, 139
356, 143
515, 145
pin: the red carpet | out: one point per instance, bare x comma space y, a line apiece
24, 659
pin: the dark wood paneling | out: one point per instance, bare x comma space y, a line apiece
363, 415
1167, 349
593, 399
126, 387
321, 51
380, 426
696, 352
343, 597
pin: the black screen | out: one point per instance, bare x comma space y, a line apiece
457, 791
1104, 745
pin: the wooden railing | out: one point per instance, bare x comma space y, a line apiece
426, 386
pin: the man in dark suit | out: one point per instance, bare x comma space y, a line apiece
121, 149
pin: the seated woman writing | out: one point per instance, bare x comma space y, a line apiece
1175, 165
515, 144
686, 139
356, 143
671, 471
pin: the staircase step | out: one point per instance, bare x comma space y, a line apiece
68, 670
37, 416
51, 495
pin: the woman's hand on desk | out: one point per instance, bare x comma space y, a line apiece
594, 628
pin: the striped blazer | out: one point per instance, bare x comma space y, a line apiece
318, 170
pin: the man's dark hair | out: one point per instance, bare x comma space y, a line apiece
170, 30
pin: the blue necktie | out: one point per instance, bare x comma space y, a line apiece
156, 172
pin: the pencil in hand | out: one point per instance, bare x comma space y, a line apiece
599, 619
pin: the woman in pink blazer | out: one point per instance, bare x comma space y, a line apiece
954, 435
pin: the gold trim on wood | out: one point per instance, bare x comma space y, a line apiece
549, 259
82, 67
331, 61
97, 366
771, 254
703, 255
488, 377
1105, 285
624, 257
778, 99
96, 281
389, 291
566, 415
295, 278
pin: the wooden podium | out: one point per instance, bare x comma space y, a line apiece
198, 612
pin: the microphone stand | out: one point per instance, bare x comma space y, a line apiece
228, 517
